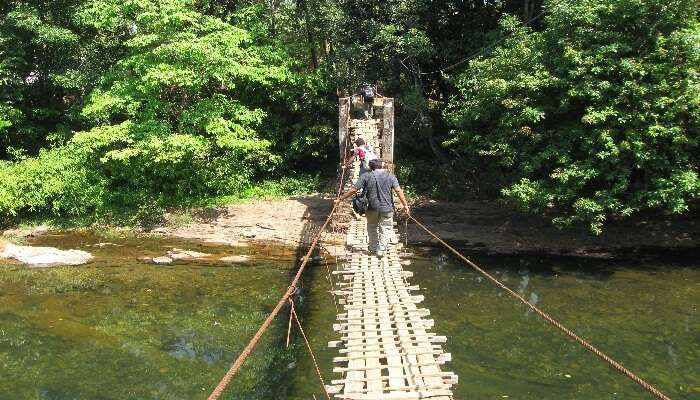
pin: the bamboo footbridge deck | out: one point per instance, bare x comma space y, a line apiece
387, 350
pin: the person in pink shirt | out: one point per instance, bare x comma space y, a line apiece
365, 153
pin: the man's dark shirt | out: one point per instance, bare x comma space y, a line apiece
385, 181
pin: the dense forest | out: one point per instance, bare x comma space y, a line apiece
579, 109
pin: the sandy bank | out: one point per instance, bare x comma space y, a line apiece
474, 225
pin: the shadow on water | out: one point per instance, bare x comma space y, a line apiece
644, 314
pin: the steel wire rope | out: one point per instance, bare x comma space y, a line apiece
616, 365
248, 349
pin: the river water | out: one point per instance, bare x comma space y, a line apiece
123, 328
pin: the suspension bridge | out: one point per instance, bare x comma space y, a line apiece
386, 349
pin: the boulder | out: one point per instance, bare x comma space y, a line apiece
43, 256
162, 260
179, 254
235, 259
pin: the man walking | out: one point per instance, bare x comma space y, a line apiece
368, 92
378, 185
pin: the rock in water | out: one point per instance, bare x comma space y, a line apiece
179, 254
44, 256
105, 244
162, 260
27, 232
235, 259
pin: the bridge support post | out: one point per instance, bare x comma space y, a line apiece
343, 124
388, 130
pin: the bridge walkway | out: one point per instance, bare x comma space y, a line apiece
387, 350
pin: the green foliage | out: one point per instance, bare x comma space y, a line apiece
171, 118
140, 105
299, 185
419, 177
57, 181
596, 115
183, 89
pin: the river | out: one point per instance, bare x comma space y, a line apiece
123, 328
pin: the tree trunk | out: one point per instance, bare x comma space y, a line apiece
273, 17
309, 33
527, 14
434, 147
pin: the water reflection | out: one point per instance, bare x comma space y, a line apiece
149, 332
644, 315
121, 328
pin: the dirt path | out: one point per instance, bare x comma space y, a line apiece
473, 225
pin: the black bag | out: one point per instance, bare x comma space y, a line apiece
360, 203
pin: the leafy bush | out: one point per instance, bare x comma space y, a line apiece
597, 114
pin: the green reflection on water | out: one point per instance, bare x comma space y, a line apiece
124, 329
645, 316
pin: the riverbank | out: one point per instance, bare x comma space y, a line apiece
477, 226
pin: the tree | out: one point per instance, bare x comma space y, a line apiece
596, 115
172, 118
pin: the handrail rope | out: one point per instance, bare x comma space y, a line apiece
216, 393
647, 386
243, 356
308, 346
289, 329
